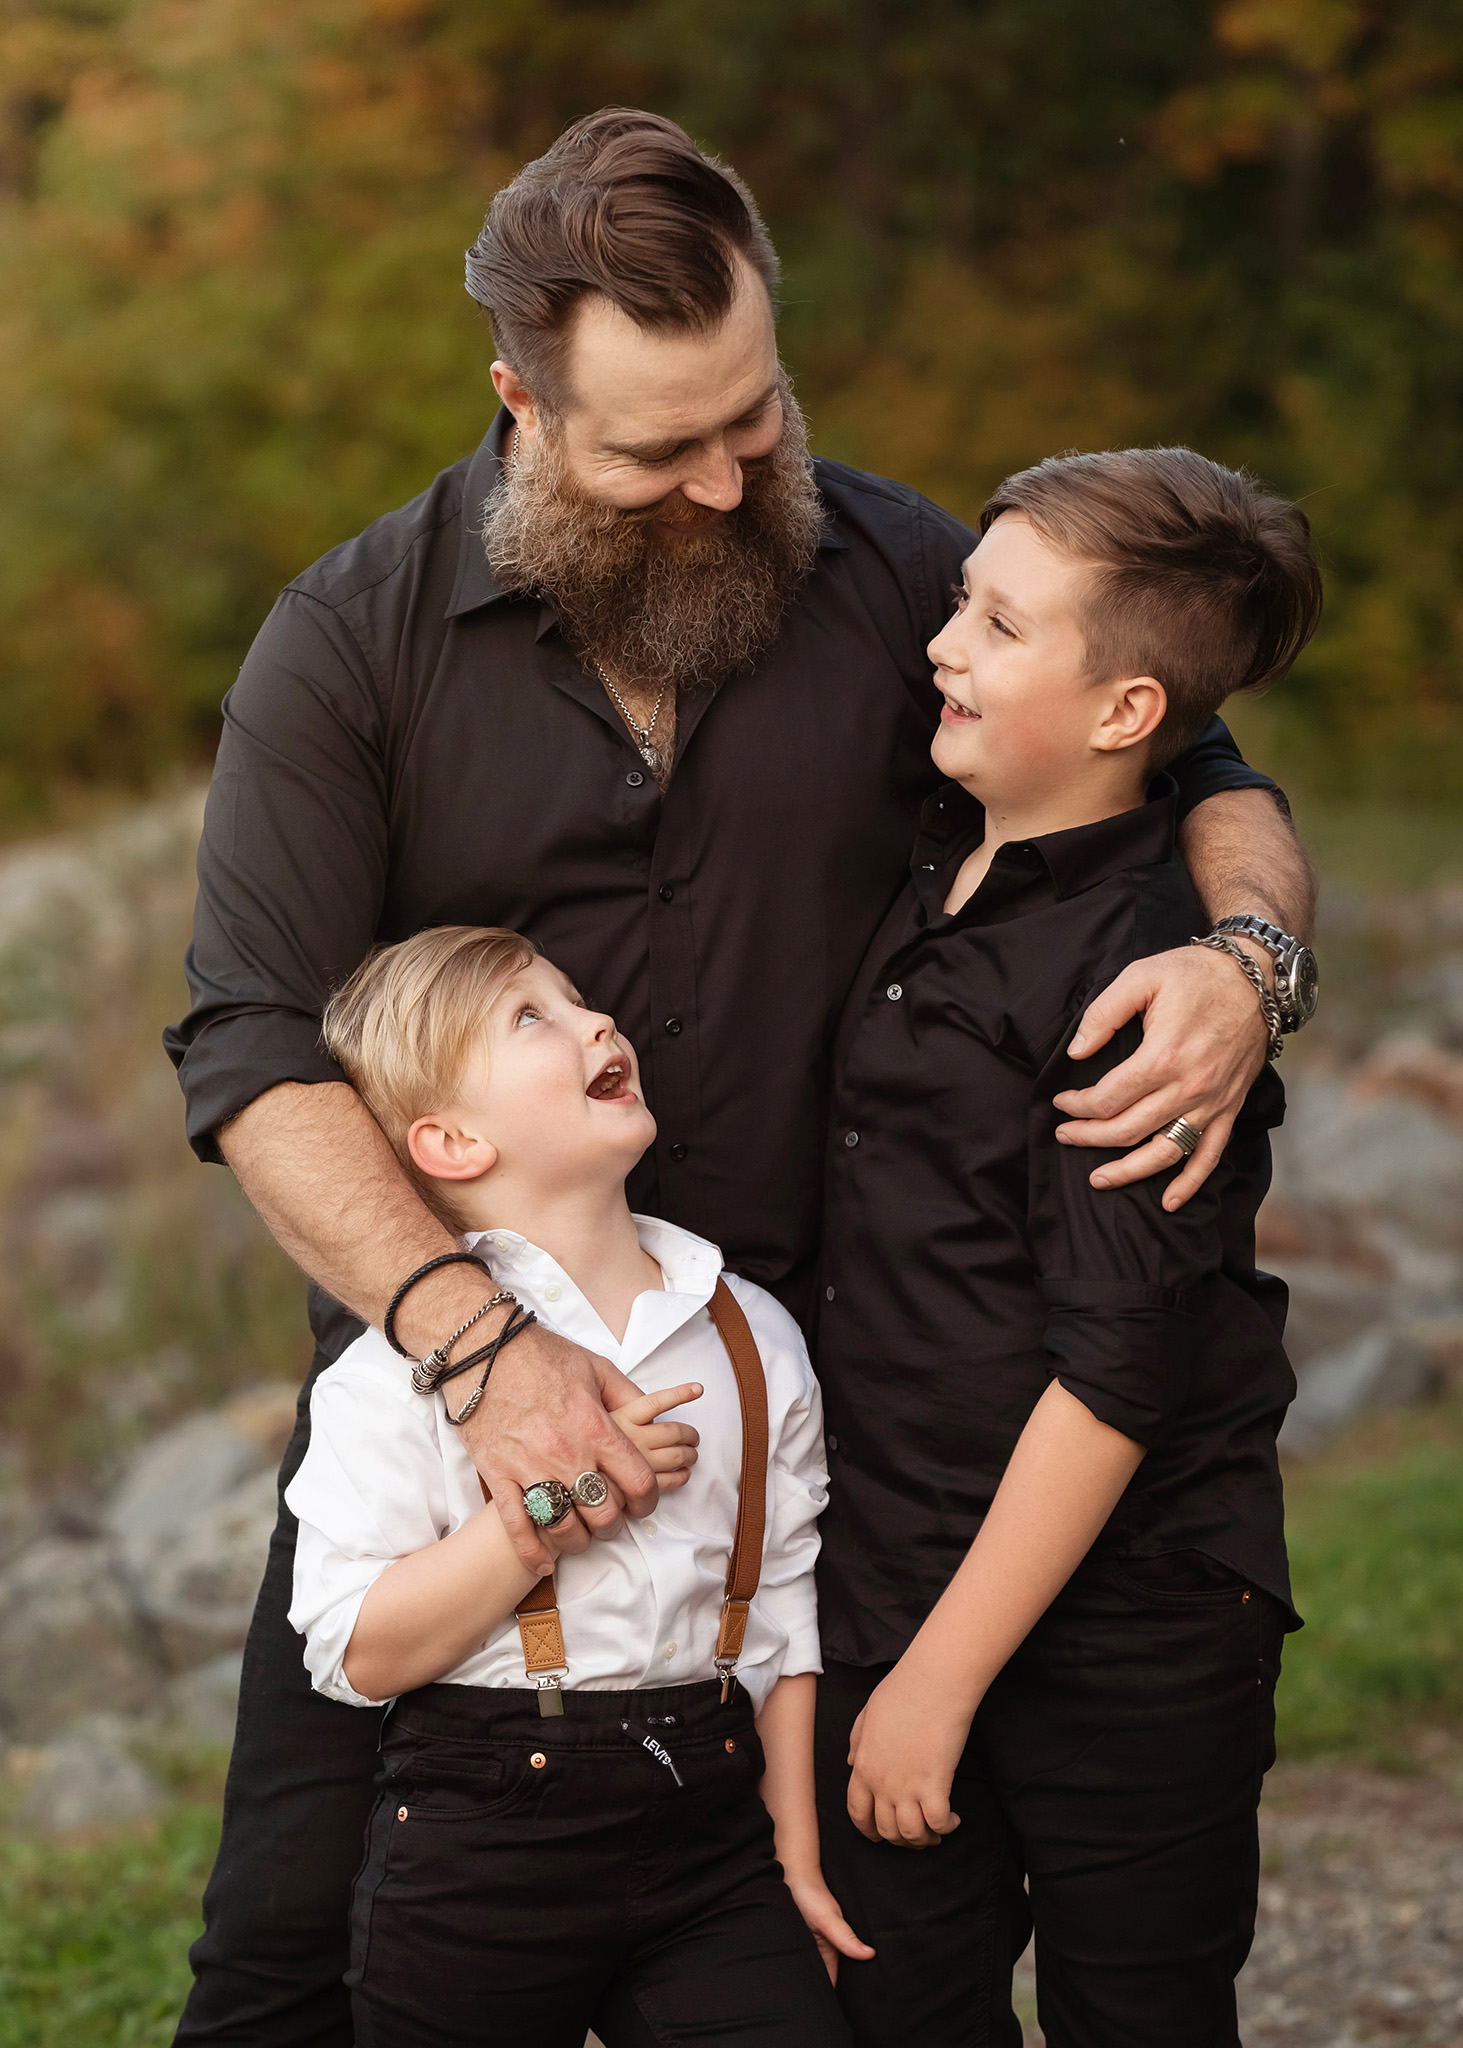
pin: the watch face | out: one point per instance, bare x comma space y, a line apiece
1305, 983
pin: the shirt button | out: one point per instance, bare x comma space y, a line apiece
894, 991
553, 1291
817, 1495
673, 1027
667, 893
678, 1153
669, 1652
634, 778
833, 1443
829, 1292
648, 1528
851, 1140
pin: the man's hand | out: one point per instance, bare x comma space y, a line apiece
903, 1752
1204, 1041
543, 1416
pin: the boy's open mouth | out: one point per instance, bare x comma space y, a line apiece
611, 1080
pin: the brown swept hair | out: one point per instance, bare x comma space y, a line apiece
624, 205
1203, 579
406, 1023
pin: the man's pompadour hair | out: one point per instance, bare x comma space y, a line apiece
1203, 579
625, 206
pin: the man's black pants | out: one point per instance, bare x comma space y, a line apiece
1116, 1765
527, 1877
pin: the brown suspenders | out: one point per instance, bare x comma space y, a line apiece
538, 1611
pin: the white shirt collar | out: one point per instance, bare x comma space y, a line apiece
690, 1265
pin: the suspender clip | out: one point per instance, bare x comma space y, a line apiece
550, 1696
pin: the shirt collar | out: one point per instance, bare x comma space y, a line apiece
475, 583
690, 1265
952, 824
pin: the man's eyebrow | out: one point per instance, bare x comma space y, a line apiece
669, 443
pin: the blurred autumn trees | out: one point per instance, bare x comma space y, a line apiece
232, 328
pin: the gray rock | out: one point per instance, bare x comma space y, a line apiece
200, 1706
1328, 1307
87, 1778
68, 1638
1385, 1368
191, 1523
1383, 1154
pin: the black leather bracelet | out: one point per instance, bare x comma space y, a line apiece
388, 1326
520, 1320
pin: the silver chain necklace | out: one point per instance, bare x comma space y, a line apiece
641, 733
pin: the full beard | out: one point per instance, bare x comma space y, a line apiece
690, 606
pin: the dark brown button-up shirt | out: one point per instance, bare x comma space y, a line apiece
405, 747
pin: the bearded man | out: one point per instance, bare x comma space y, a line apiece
639, 680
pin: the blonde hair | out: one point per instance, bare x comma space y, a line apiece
406, 1024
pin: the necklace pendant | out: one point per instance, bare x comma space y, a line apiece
647, 755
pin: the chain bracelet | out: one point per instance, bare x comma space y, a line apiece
426, 1374
1254, 974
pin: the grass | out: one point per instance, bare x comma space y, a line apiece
94, 1937
1376, 1546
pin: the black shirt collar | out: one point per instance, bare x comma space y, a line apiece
475, 583
953, 824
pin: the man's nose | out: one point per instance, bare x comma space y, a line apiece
716, 482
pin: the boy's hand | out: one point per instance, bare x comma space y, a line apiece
903, 1752
826, 1923
668, 1448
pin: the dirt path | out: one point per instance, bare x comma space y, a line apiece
1360, 1936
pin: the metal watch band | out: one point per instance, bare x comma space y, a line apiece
1269, 1008
1296, 980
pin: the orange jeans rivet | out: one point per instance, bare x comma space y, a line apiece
538, 1759
401, 1813
730, 1745
1243, 1597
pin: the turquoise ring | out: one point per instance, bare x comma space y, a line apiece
548, 1501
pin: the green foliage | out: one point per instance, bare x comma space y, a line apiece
1376, 1547
233, 328
94, 1938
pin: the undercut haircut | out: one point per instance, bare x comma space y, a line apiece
624, 206
405, 1025
1202, 578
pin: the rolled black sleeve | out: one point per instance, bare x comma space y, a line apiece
291, 868
1116, 1272
1214, 764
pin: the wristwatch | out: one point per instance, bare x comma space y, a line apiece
1297, 978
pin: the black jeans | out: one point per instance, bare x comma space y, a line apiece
270, 1963
526, 1878
1116, 1765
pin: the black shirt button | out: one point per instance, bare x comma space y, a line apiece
634, 778
830, 1292
667, 893
678, 1153
673, 1027
833, 1443
851, 1140
894, 991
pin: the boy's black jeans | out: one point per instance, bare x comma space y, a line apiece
1115, 1764
526, 1878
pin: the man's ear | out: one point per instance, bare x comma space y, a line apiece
1135, 709
443, 1149
519, 400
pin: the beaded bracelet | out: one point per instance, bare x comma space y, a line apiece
388, 1326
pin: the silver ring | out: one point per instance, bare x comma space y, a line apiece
1185, 1135
591, 1490
548, 1501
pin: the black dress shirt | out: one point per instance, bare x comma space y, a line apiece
406, 747
968, 1261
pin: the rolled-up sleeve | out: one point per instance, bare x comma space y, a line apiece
369, 1491
291, 867
1116, 1271
1214, 764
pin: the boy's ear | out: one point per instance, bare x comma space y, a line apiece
445, 1150
1135, 709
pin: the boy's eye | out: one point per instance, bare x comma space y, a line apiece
529, 1010
961, 596
1000, 625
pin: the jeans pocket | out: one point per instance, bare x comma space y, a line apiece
461, 1783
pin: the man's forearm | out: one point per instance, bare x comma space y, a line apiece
314, 1163
1243, 855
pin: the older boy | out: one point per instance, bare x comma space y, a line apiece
1054, 1579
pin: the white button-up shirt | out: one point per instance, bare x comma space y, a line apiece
386, 1475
